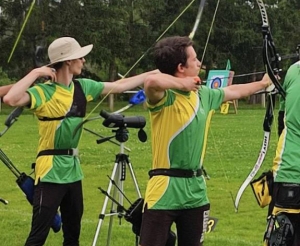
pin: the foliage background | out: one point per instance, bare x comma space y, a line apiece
122, 31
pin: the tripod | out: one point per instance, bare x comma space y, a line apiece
117, 179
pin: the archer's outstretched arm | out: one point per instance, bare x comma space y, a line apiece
125, 84
243, 90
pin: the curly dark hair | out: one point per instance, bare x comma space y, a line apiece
169, 52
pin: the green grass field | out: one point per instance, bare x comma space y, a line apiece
233, 146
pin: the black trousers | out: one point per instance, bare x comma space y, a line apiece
48, 197
293, 217
190, 224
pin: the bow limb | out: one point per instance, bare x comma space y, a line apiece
272, 69
21, 31
198, 18
263, 151
13, 116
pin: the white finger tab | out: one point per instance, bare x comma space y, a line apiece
270, 88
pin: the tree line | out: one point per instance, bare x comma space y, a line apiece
123, 30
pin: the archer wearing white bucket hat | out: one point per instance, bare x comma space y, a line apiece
60, 106
66, 48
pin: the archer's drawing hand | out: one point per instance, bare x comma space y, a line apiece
47, 72
192, 84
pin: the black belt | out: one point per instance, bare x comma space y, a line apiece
73, 152
175, 172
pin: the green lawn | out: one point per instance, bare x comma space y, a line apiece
233, 146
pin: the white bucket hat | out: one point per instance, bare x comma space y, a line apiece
66, 48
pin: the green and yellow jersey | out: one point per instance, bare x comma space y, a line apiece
178, 124
54, 100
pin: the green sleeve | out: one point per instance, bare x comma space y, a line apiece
40, 94
91, 88
213, 98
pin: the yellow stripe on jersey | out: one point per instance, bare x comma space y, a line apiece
58, 105
169, 118
279, 150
